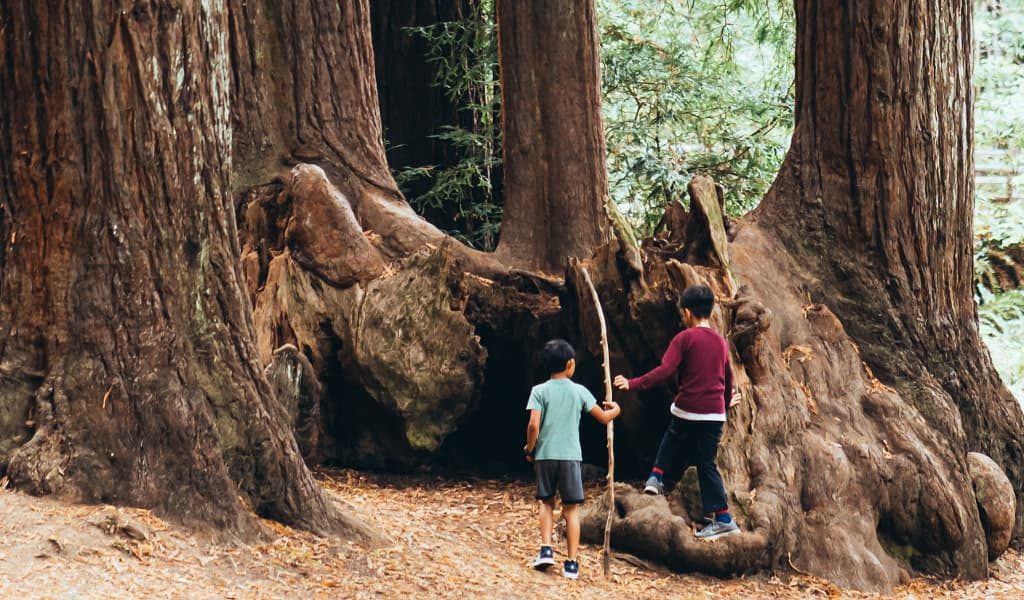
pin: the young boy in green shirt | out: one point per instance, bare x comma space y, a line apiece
553, 445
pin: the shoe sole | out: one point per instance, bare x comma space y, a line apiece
719, 535
568, 575
543, 565
652, 491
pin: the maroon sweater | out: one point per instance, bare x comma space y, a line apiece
698, 358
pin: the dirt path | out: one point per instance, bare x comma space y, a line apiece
471, 539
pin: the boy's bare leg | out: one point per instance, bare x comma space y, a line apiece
572, 528
547, 520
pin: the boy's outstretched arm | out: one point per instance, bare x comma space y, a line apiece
606, 414
532, 431
663, 372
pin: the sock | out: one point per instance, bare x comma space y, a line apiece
723, 516
657, 473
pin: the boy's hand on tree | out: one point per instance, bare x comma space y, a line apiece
621, 382
737, 397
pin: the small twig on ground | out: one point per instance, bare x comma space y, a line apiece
789, 559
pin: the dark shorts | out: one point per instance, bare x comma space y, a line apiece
562, 476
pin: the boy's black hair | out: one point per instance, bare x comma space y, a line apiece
555, 355
700, 300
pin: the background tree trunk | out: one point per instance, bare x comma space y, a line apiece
416, 109
128, 342
881, 165
556, 185
412, 107
423, 346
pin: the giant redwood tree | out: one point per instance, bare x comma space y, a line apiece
553, 138
133, 140
130, 369
398, 319
858, 452
881, 165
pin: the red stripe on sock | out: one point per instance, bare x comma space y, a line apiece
722, 512
658, 471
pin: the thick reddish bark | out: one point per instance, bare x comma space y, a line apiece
305, 93
337, 262
852, 471
881, 166
556, 186
127, 336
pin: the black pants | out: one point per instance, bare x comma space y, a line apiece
695, 443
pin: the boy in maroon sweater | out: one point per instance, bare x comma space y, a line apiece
698, 360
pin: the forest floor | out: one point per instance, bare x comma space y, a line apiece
450, 537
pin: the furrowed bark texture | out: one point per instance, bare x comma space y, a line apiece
854, 323
305, 93
552, 134
336, 261
127, 338
419, 350
856, 471
881, 165
829, 470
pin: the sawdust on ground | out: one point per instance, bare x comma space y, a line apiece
469, 538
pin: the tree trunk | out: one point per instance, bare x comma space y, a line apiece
305, 93
412, 107
128, 342
416, 109
855, 471
556, 186
881, 166
336, 261
395, 317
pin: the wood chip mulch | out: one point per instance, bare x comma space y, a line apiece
451, 538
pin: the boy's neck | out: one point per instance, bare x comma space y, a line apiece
562, 375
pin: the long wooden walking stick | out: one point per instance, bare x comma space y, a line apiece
606, 553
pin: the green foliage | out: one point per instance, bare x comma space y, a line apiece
465, 54
1002, 326
999, 122
997, 224
999, 73
694, 86
689, 86
999, 220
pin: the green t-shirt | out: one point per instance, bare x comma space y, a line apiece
561, 403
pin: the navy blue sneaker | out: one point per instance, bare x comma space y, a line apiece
571, 569
545, 558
